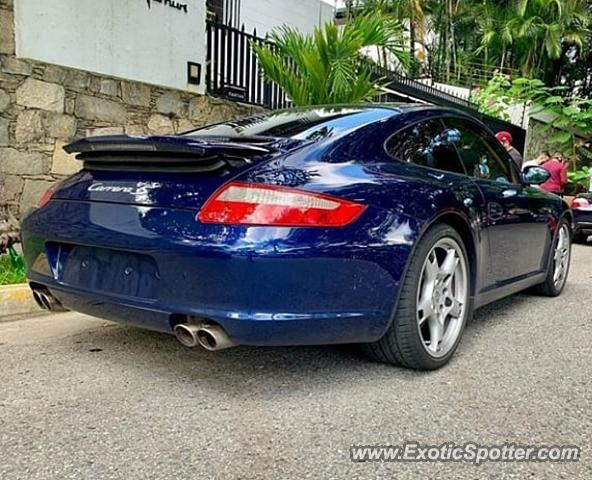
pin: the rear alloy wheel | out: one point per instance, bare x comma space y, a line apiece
442, 297
559, 268
434, 305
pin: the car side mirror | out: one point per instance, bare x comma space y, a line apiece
535, 175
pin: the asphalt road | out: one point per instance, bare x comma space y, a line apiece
84, 398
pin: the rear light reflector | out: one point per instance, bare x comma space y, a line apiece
46, 197
580, 202
241, 203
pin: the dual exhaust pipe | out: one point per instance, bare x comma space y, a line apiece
46, 301
206, 335
209, 336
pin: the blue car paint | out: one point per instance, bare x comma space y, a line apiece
280, 285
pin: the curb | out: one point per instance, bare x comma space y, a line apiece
16, 300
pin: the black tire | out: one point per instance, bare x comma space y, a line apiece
580, 237
402, 344
549, 288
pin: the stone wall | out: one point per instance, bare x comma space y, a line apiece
43, 107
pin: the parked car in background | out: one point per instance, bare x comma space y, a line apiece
380, 225
582, 208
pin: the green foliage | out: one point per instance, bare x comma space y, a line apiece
500, 93
580, 179
470, 39
529, 90
12, 268
328, 67
534, 32
572, 119
494, 99
410, 13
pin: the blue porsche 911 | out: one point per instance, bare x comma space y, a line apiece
379, 225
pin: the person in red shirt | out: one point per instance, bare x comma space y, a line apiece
558, 170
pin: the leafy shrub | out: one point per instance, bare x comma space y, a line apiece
12, 268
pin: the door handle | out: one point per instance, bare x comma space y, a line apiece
509, 193
437, 176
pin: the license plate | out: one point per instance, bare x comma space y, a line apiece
111, 271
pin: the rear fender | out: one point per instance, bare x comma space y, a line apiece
461, 223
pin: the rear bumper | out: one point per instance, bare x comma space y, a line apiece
246, 328
584, 227
583, 220
264, 286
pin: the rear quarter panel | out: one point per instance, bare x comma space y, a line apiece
405, 199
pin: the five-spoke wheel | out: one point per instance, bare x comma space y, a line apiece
442, 295
559, 263
434, 304
435, 300
561, 257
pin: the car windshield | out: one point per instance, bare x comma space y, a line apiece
307, 124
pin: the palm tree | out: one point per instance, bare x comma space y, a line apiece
413, 13
495, 29
408, 12
545, 27
451, 25
534, 32
329, 66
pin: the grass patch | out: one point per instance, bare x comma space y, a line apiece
12, 268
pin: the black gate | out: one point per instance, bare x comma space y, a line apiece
233, 72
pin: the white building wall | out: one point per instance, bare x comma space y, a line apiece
304, 15
145, 40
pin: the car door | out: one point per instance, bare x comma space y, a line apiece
516, 229
428, 150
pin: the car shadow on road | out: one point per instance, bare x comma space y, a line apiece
283, 368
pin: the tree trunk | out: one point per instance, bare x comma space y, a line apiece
437, 60
412, 44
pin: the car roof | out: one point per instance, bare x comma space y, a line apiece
300, 121
395, 107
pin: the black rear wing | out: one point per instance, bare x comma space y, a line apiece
161, 153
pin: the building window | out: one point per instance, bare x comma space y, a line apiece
215, 10
227, 12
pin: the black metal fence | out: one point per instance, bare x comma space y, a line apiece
233, 69
233, 72
421, 91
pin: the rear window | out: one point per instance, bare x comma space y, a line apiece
306, 124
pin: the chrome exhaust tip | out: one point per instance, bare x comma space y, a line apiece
214, 338
187, 334
47, 301
38, 300
209, 336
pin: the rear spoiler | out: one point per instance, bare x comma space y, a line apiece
120, 152
167, 145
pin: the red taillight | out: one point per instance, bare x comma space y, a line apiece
240, 203
46, 197
579, 202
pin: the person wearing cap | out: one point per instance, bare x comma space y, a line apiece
505, 138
